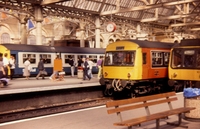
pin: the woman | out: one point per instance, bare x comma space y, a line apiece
27, 68
12, 66
2, 71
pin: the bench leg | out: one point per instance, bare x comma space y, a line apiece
157, 123
179, 122
130, 127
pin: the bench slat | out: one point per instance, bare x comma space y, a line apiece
141, 105
140, 99
136, 121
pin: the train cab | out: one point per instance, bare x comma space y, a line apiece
184, 68
130, 63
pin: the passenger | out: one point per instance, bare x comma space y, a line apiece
80, 62
99, 66
27, 68
72, 65
3, 80
85, 69
2, 71
90, 67
57, 68
12, 66
41, 69
6, 64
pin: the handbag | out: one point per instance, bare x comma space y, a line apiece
44, 72
10, 65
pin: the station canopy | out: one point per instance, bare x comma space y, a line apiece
174, 13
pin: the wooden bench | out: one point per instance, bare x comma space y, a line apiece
119, 106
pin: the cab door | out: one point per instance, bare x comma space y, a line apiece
145, 63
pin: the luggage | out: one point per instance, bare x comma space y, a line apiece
4, 81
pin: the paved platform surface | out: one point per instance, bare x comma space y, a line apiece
95, 118
21, 85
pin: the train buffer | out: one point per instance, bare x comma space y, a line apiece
119, 106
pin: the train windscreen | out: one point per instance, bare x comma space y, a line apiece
185, 58
119, 58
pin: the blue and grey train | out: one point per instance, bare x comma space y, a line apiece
22, 51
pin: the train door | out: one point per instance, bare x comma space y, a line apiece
145, 63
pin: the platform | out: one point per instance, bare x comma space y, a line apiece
21, 85
93, 118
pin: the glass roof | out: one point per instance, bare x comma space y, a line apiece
163, 12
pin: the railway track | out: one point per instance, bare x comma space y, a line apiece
47, 110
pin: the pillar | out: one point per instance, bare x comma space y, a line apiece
97, 32
23, 29
38, 18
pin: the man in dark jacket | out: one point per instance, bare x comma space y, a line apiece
71, 63
85, 69
41, 69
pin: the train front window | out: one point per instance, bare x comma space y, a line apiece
120, 58
185, 58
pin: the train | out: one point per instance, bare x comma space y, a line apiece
23, 51
137, 66
184, 65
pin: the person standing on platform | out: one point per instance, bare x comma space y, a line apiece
90, 67
6, 64
80, 62
99, 66
41, 69
2, 71
71, 63
57, 68
27, 68
12, 66
85, 69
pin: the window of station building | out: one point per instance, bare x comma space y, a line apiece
46, 58
32, 39
32, 56
93, 58
157, 58
5, 38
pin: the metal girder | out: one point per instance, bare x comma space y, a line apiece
194, 29
168, 17
46, 2
151, 6
185, 24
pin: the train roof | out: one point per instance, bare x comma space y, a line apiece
58, 49
151, 44
188, 42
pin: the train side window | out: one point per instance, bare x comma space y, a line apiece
166, 58
67, 57
144, 58
157, 59
32, 56
93, 58
46, 58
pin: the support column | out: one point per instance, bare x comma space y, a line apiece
82, 33
38, 18
97, 32
23, 29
